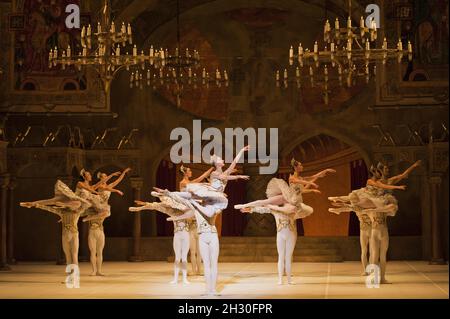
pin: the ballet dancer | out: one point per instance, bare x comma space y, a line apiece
69, 207
375, 203
287, 198
96, 237
181, 237
194, 248
213, 201
379, 240
89, 192
286, 236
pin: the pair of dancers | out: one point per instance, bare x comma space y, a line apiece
372, 204
201, 202
285, 202
88, 201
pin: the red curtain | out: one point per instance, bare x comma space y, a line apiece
166, 177
233, 221
300, 230
358, 176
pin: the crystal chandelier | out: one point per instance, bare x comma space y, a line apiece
178, 71
348, 53
104, 50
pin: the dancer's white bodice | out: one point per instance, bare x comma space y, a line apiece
218, 184
204, 226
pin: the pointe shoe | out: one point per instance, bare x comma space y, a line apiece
26, 205
239, 207
365, 273
94, 273
174, 282
186, 282
291, 282
280, 282
100, 274
384, 281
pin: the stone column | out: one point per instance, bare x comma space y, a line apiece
258, 224
10, 226
136, 184
436, 248
4, 182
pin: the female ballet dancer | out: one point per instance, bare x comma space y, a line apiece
213, 201
194, 249
286, 236
181, 228
89, 192
285, 197
96, 237
69, 207
375, 203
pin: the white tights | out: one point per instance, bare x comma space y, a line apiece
286, 240
96, 242
209, 250
196, 260
181, 249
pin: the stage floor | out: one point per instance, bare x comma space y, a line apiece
409, 279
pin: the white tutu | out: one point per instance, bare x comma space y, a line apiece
215, 197
63, 191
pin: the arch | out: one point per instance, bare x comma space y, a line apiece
304, 137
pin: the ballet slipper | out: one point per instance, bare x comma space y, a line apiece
385, 282
365, 273
26, 205
100, 274
174, 282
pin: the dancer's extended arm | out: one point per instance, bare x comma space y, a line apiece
230, 168
398, 178
87, 187
302, 181
321, 174
308, 190
49, 209
120, 178
106, 180
203, 176
385, 186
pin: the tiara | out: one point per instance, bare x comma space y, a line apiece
99, 174
380, 166
183, 169
82, 172
213, 159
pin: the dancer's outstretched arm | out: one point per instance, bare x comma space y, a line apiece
308, 190
106, 180
398, 178
235, 177
49, 209
385, 186
230, 168
112, 190
120, 178
187, 215
203, 176
302, 181
87, 187
321, 174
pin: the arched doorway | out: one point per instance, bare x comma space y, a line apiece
317, 153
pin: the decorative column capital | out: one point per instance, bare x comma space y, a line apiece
137, 182
4, 180
435, 180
